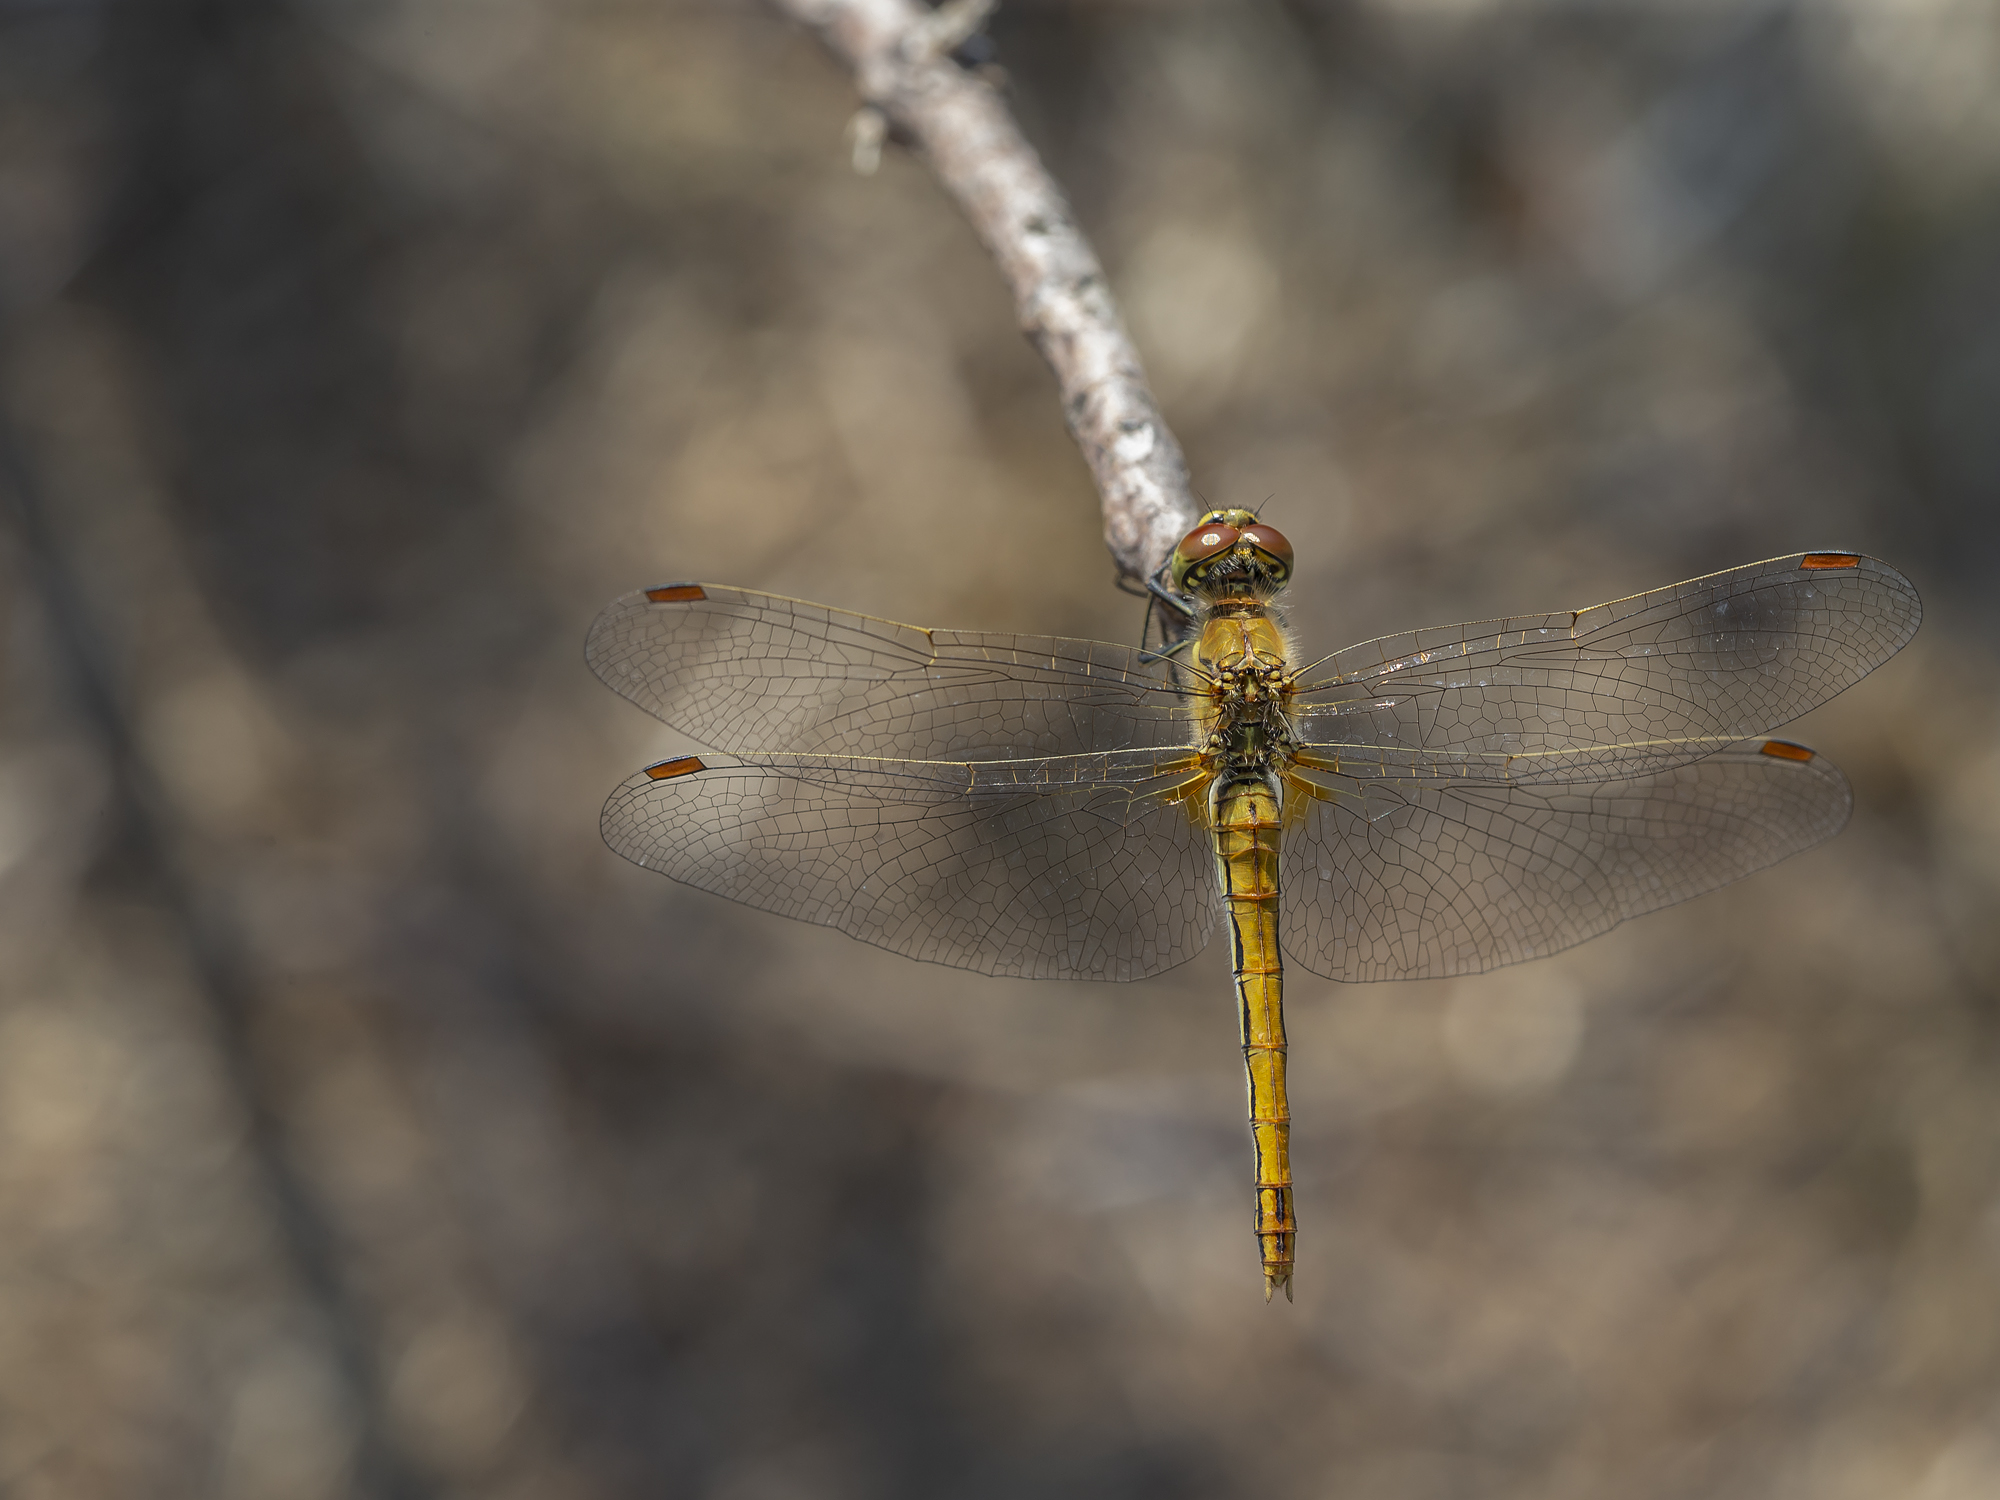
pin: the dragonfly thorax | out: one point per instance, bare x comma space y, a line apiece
1245, 688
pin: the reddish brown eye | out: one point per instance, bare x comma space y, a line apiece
1205, 541
1270, 541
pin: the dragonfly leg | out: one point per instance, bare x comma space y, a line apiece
1176, 614
1179, 604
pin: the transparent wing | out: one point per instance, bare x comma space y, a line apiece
1072, 868
759, 674
1615, 690
1405, 880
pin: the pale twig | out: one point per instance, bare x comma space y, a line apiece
900, 54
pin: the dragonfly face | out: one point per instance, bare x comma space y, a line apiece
1231, 552
1427, 804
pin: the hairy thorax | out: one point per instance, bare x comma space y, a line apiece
1244, 688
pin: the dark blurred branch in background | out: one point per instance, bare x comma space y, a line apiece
901, 57
379, 1469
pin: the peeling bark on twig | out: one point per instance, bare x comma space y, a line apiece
899, 52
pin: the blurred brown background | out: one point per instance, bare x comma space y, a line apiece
367, 1129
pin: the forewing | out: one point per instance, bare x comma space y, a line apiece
757, 674
1413, 880
1615, 690
1076, 868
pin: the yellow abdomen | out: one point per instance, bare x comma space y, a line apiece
1245, 814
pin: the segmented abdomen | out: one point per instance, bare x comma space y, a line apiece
1246, 814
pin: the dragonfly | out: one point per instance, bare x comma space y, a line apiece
1423, 805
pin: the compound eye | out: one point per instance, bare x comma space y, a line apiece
1205, 542
1270, 541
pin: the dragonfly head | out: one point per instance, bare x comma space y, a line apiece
1231, 552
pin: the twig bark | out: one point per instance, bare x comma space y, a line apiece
900, 54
